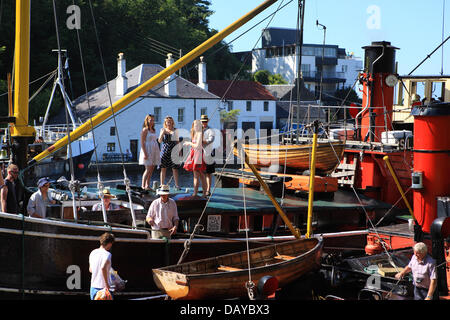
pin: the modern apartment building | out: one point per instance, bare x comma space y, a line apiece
327, 64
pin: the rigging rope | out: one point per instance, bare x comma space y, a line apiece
72, 184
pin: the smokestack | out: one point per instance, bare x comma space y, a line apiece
202, 75
170, 83
121, 80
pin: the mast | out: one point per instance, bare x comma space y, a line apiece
21, 133
149, 84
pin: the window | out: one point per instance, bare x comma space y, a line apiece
111, 147
344, 68
230, 106
266, 105
180, 115
203, 111
112, 131
249, 106
157, 114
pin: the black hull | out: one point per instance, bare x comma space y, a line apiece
57, 168
45, 259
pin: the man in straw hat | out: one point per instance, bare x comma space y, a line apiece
162, 215
208, 139
107, 196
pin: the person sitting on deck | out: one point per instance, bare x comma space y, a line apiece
107, 196
37, 205
162, 215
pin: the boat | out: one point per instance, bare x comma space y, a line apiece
78, 153
226, 276
48, 257
295, 156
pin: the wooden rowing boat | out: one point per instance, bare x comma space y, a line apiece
328, 155
226, 276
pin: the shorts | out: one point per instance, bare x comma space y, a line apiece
210, 168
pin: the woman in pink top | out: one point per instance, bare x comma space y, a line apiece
195, 161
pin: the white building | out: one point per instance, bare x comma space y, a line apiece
256, 105
177, 97
328, 64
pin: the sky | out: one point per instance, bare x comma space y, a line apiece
414, 26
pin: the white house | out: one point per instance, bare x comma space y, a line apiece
177, 97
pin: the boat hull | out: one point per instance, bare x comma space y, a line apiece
328, 155
49, 258
204, 280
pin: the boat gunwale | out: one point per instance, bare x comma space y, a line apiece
237, 273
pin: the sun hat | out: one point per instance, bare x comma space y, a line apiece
164, 189
42, 181
107, 194
204, 118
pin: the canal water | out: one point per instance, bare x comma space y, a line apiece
112, 172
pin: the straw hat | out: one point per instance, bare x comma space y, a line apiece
107, 194
204, 118
163, 190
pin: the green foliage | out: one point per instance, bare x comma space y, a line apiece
123, 26
265, 77
262, 76
229, 116
277, 79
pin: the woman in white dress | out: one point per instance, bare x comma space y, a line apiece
149, 155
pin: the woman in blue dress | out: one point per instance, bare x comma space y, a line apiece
168, 138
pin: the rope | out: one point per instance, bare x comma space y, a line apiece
250, 285
72, 180
198, 226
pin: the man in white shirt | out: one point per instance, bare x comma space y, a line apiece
100, 264
37, 204
162, 215
208, 139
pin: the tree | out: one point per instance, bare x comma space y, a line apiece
262, 76
122, 26
229, 116
266, 78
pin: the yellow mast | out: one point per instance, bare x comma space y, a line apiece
158, 78
21, 66
312, 175
266, 188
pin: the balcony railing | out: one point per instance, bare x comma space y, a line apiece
326, 75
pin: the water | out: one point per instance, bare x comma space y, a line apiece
135, 175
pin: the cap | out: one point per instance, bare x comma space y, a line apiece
204, 117
164, 189
43, 181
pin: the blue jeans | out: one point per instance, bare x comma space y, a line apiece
94, 292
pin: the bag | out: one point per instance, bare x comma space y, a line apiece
103, 294
117, 283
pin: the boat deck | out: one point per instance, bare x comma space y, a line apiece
236, 199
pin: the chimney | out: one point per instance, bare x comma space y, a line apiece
202, 75
121, 80
170, 83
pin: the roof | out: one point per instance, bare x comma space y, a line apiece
284, 107
102, 97
239, 90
